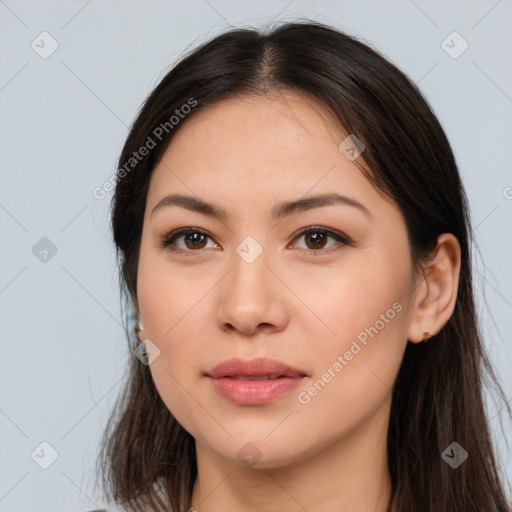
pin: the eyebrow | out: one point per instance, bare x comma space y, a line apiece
279, 211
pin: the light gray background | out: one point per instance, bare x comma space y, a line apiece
64, 120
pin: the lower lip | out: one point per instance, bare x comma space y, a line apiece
254, 392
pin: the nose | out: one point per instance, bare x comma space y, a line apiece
251, 298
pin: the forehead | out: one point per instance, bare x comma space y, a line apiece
260, 126
259, 148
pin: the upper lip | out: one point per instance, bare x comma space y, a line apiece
253, 368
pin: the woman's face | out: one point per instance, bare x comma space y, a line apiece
249, 285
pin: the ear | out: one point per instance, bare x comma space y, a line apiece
436, 290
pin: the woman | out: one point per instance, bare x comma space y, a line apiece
294, 242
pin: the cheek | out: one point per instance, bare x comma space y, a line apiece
365, 295
356, 364
169, 307
166, 294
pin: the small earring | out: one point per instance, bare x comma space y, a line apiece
426, 335
138, 327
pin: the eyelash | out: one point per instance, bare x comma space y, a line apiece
167, 241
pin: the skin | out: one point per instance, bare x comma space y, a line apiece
204, 305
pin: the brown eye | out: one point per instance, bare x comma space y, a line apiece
316, 239
195, 240
185, 240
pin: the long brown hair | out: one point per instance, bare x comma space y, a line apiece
146, 455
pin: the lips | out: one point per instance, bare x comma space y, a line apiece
254, 382
255, 369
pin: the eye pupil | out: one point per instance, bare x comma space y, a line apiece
317, 238
194, 238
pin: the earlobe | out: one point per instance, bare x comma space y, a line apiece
138, 330
426, 336
437, 293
